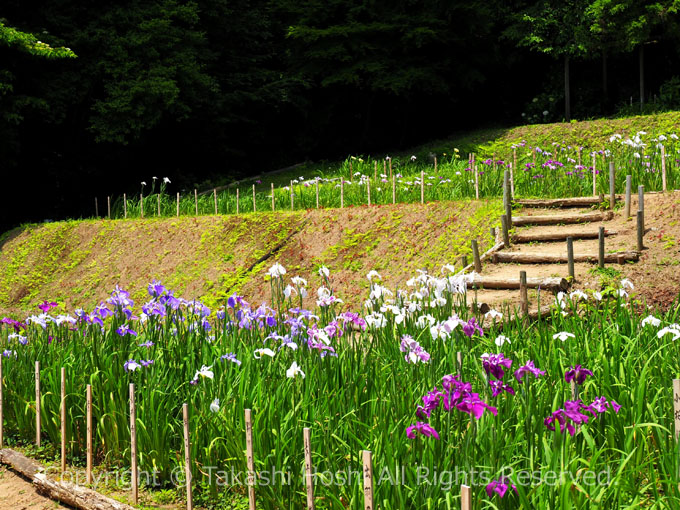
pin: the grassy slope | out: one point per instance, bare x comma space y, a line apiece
79, 262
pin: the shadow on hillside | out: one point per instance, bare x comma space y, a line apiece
10, 235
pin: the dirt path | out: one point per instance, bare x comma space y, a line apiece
18, 494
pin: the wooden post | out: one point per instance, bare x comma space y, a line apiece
250, 461
273, 202
187, 456
459, 360
676, 407
422, 187
594, 174
309, 474
626, 210
96, 207
368, 190
475, 256
612, 185
506, 231
394, 189
178, 204
570, 256
254, 203
88, 404
523, 296
133, 446
463, 260
215, 199
2, 432
663, 168
124, 205
474, 169
600, 239
108, 207
492, 231
512, 183
317, 193
63, 419
640, 230
158, 203
465, 498
368, 480
507, 201
342, 192
196, 200
641, 198
435, 164
37, 403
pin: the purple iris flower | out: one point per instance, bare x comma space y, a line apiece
124, 329
230, 357
471, 327
102, 310
500, 487
156, 289
577, 374
474, 405
414, 351
431, 401
147, 344
495, 364
498, 387
146, 363
529, 368
573, 414
47, 305
422, 428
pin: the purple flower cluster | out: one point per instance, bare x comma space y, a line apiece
495, 364
573, 413
500, 487
577, 374
471, 327
414, 351
529, 368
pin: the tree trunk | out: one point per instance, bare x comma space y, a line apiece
567, 92
642, 75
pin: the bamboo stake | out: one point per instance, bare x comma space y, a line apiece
476, 183
368, 480
215, 200
250, 461
108, 207
523, 296
600, 240
422, 187
133, 446
465, 498
2, 432
435, 164
390, 168
187, 456
309, 474
273, 201
663, 168
512, 183
626, 210
37, 403
178, 204
96, 207
570, 256
63, 420
88, 400
141, 205
196, 200
594, 174
124, 206
254, 203
459, 360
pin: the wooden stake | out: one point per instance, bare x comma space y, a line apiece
368, 480
108, 207
37, 403
2, 431
612, 185
187, 456
492, 231
475, 256
594, 174
512, 183
215, 200
394, 190
641, 198
124, 205
459, 360
178, 204
309, 474
317, 193
141, 205
133, 446
506, 233
254, 203
600, 241
342, 192
435, 164
465, 498
368, 191
422, 187
390, 168
676, 407
273, 201
523, 296
640, 230
63, 419
476, 182
96, 207
626, 210
507, 201
196, 200
463, 260
250, 461
570, 256
663, 168
88, 404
